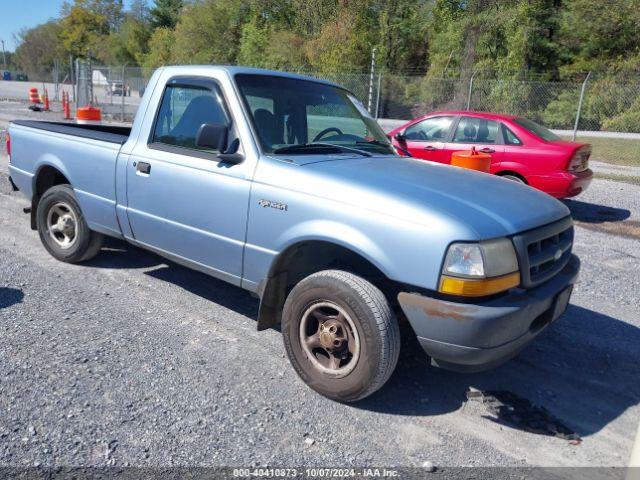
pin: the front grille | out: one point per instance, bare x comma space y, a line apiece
544, 251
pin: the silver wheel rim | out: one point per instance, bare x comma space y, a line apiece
324, 324
62, 224
513, 178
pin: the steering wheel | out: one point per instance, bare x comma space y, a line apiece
327, 130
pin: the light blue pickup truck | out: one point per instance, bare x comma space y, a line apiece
285, 186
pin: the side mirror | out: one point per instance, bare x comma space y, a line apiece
213, 136
399, 137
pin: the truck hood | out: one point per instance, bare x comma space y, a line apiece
416, 190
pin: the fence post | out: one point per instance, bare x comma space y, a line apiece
575, 126
373, 67
470, 88
378, 94
73, 77
124, 91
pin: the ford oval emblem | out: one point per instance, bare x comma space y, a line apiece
557, 255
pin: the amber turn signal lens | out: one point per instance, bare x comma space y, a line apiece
468, 287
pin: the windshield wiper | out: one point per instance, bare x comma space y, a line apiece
302, 147
384, 144
373, 142
377, 143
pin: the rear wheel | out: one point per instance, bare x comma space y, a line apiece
513, 177
62, 227
340, 335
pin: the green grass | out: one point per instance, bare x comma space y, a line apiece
618, 151
618, 178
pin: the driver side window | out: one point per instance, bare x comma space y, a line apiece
432, 129
183, 110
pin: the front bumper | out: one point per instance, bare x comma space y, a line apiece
562, 184
478, 336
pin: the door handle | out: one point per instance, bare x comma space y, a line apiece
487, 150
143, 167
429, 148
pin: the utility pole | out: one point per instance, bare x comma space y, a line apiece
4, 57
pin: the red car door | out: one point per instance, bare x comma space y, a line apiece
426, 139
481, 133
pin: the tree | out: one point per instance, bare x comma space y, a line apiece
166, 13
341, 46
600, 35
127, 45
160, 46
87, 23
209, 31
110, 11
139, 10
38, 48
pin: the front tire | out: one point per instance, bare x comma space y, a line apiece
340, 335
62, 227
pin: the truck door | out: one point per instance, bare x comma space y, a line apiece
181, 199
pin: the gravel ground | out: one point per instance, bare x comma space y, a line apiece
133, 360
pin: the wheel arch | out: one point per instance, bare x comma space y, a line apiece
47, 176
302, 259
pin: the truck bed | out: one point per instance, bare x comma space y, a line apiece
105, 133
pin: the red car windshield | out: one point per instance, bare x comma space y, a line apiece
538, 130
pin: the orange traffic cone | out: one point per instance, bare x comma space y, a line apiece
67, 109
46, 100
64, 100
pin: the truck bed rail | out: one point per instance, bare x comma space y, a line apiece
105, 133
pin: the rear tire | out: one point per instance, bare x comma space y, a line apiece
340, 335
63, 230
513, 177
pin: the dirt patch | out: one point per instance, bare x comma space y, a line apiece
626, 228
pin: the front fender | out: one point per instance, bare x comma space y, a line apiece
340, 234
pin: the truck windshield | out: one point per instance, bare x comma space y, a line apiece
288, 112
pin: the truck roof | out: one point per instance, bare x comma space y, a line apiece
233, 70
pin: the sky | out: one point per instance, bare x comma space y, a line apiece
18, 14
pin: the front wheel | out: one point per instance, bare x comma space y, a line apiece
340, 335
62, 227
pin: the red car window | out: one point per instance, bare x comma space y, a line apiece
430, 129
509, 137
476, 130
538, 130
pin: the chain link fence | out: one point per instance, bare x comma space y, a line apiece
599, 109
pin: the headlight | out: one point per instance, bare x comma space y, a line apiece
479, 269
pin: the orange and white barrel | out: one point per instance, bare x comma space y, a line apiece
472, 160
33, 96
88, 115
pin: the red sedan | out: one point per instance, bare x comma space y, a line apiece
520, 149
